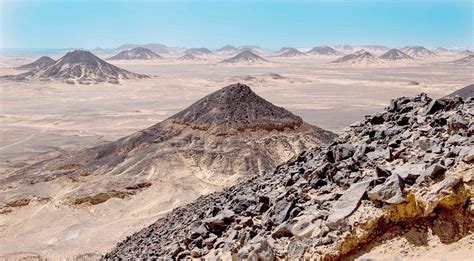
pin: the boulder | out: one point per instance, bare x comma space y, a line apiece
219, 223
304, 226
349, 201
457, 122
391, 191
409, 172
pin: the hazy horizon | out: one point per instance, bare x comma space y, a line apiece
211, 24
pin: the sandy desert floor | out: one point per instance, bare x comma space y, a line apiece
39, 120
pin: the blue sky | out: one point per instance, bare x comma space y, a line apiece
270, 24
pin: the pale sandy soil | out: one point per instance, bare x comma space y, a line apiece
42, 119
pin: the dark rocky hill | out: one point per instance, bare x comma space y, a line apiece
236, 107
81, 67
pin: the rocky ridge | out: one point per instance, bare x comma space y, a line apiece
407, 166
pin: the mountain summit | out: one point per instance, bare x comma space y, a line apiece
236, 107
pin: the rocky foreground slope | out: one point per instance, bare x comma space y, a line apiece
407, 166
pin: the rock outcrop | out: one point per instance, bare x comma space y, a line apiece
409, 165
41, 63
137, 53
80, 67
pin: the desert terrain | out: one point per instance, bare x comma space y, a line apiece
41, 120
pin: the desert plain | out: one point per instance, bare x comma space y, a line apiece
43, 119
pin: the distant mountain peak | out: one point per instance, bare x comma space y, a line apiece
360, 57
245, 57
290, 52
137, 53
323, 50
198, 51
42, 62
395, 54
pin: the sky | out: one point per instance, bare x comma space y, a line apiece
212, 24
